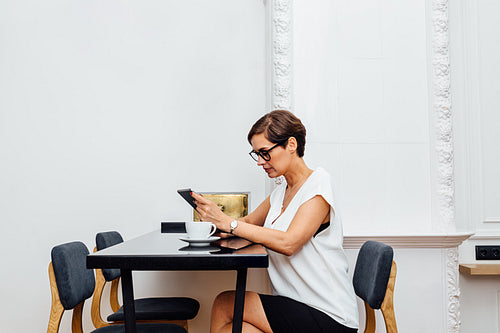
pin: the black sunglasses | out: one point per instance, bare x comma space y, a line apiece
264, 153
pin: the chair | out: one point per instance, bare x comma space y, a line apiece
374, 278
174, 310
71, 283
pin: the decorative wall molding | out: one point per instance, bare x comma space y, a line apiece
444, 149
428, 241
447, 239
442, 110
452, 290
281, 54
281, 62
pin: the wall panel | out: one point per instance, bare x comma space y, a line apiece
106, 108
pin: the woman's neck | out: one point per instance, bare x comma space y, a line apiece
297, 173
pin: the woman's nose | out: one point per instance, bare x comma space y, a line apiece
261, 161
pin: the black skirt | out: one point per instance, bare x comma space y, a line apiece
286, 315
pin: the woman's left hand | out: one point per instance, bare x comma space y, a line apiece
210, 212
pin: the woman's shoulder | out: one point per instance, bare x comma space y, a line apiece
320, 183
321, 175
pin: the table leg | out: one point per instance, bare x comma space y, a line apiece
128, 301
239, 300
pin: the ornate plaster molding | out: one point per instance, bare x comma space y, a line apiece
281, 62
444, 151
442, 111
452, 290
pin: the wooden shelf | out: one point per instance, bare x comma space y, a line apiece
480, 269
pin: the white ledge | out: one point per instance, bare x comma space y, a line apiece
493, 235
409, 241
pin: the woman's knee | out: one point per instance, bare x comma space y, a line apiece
224, 299
225, 296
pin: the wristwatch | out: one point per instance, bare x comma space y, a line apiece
234, 225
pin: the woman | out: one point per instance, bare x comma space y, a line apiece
297, 224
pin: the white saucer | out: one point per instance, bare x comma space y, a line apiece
199, 241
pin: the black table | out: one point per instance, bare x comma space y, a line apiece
158, 251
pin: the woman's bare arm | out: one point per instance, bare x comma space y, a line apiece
258, 216
305, 223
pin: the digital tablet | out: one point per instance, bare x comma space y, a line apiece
186, 194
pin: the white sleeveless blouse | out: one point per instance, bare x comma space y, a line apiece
317, 274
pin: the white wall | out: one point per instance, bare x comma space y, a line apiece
106, 108
360, 84
363, 73
475, 54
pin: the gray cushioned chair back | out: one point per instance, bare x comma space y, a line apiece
75, 282
104, 240
173, 227
372, 271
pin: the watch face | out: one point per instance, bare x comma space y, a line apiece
234, 224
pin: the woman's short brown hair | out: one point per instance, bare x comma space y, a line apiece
278, 126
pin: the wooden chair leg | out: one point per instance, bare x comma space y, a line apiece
113, 295
76, 322
387, 307
370, 319
95, 309
56, 309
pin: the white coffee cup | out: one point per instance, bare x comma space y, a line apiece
200, 230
